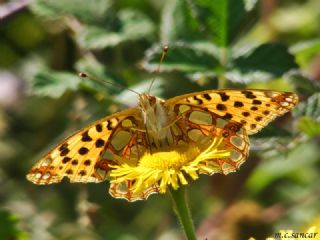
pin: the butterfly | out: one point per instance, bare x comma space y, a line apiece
87, 155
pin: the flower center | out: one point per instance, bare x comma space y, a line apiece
169, 157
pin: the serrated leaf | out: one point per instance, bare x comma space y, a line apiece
262, 63
133, 26
54, 84
89, 11
303, 84
178, 23
98, 38
225, 20
310, 108
189, 58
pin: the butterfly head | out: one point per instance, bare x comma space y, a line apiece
146, 101
147, 105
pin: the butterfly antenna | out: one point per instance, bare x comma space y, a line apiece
83, 75
164, 52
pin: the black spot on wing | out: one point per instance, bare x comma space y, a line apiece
99, 127
221, 107
207, 96
248, 94
199, 100
87, 162
246, 114
86, 137
238, 104
66, 159
83, 150
227, 116
224, 97
64, 152
256, 102
100, 143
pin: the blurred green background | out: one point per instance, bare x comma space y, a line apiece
268, 44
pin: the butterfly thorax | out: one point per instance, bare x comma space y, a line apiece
156, 118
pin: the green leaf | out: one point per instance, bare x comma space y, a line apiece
133, 26
178, 23
274, 169
54, 84
225, 20
8, 229
98, 38
309, 126
303, 84
262, 63
310, 108
189, 58
88, 11
305, 51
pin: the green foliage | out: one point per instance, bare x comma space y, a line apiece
303, 84
263, 62
217, 51
185, 57
9, 229
224, 43
91, 12
132, 26
306, 51
309, 112
223, 19
54, 84
309, 126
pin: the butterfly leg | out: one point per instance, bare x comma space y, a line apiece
173, 122
138, 129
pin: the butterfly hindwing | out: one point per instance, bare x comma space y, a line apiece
200, 126
80, 157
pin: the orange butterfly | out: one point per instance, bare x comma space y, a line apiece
89, 154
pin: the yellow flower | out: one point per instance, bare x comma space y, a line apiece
172, 165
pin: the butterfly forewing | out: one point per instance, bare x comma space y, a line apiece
81, 156
253, 109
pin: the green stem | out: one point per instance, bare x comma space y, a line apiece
223, 61
222, 81
182, 210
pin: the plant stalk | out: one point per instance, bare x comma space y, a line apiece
182, 210
223, 61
